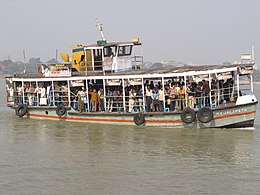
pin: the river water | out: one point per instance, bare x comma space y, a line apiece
50, 157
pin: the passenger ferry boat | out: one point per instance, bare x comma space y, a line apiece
106, 83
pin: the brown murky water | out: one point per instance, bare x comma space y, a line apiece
49, 157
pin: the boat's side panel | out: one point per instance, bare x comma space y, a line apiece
243, 115
103, 118
95, 118
238, 116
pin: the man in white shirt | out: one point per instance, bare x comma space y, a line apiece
20, 93
160, 99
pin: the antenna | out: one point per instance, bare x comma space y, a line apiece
100, 28
24, 61
56, 55
253, 53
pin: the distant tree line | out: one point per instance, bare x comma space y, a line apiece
10, 67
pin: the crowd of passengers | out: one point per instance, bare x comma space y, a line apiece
155, 98
31, 94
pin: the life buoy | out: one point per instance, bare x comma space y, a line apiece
60, 110
205, 115
21, 110
188, 115
139, 119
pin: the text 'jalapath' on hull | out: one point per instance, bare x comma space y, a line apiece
106, 83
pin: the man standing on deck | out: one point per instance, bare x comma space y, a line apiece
101, 100
148, 93
206, 90
80, 96
181, 94
131, 100
20, 93
94, 99
160, 98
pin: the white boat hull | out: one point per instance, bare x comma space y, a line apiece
232, 116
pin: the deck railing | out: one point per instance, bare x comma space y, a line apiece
120, 103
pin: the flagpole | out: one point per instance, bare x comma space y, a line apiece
24, 61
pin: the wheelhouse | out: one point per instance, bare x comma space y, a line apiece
102, 58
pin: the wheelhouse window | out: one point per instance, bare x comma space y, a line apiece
109, 51
125, 50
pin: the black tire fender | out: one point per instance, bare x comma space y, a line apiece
139, 119
188, 115
205, 115
60, 110
21, 110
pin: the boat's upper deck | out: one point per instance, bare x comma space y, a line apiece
148, 73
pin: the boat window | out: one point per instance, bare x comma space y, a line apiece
125, 50
109, 51
97, 59
244, 84
97, 54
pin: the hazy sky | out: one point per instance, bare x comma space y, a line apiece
197, 31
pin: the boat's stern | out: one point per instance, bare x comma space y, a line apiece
10, 95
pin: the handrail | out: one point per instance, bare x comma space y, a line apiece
115, 103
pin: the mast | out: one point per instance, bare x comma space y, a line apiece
100, 28
56, 57
24, 71
253, 53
